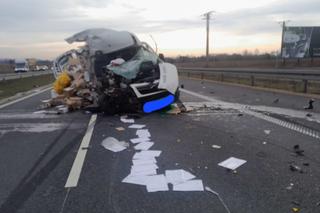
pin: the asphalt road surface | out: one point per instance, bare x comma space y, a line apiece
38, 153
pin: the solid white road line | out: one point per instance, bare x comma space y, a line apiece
198, 95
75, 171
23, 98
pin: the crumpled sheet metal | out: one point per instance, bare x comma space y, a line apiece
104, 40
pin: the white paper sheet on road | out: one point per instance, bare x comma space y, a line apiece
139, 140
137, 126
157, 183
191, 185
145, 172
143, 157
144, 161
146, 154
232, 163
144, 146
143, 133
178, 176
139, 180
114, 145
125, 119
144, 167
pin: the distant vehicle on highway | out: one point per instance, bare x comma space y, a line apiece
21, 65
41, 68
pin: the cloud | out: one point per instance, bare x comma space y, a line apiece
264, 19
39, 21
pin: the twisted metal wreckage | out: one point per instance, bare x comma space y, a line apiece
113, 72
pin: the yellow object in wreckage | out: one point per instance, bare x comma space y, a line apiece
61, 82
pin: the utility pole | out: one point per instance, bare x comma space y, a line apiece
283, 25
207, 17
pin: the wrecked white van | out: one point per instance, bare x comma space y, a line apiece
124, 73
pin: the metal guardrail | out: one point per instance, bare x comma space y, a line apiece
255, 71
11, 76
254, 77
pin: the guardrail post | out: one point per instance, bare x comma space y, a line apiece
305, 86
202, 76
252, 80
222, 77
188, 74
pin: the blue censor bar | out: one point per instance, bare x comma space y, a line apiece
155, 105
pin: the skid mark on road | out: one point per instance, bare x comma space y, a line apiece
252, 110
286, 124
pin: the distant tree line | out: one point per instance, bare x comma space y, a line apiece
245, 55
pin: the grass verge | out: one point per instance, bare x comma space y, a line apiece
11, 87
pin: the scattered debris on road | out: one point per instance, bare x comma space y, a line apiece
144, 145
290, 187
293, 167
294, 209
144, 164
267, 131
178, 176
137, 126
190, 185
276, 101
114, 145
297, 150
125, 119
309, 115
174, 110
216, 146
232, 163
295, 203
120, 128
310, 104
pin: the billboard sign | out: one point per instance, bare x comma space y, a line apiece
301, 42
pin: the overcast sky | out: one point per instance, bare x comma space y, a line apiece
37, 28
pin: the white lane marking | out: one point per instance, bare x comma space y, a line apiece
25, 97
75, 171
288, 125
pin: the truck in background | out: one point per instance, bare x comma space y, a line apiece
21, 65
32, 63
